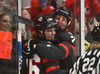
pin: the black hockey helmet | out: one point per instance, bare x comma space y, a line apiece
44, 22
64, 12
96, 33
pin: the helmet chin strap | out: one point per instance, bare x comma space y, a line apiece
43, 35
69, 23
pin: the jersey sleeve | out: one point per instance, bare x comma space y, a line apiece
66, 36
53, 52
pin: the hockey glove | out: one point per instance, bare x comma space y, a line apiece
28, 49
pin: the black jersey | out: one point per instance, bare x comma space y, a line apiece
61, 50
87, 63
52, 67
54, 52
68, 62
35, 65
40, 65
65, 45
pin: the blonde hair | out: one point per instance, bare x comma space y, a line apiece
95, 45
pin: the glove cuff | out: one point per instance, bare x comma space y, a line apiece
30, 46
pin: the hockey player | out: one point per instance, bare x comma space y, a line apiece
88, 62
63, 36
59, 51
63, 16
42, 23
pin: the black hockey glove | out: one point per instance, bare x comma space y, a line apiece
28, 49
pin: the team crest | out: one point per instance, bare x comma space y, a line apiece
40, 19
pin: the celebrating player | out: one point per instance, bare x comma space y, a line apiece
43, 26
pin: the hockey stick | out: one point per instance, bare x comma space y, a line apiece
20, 19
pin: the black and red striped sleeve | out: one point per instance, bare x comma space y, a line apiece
53, 52
68, 47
